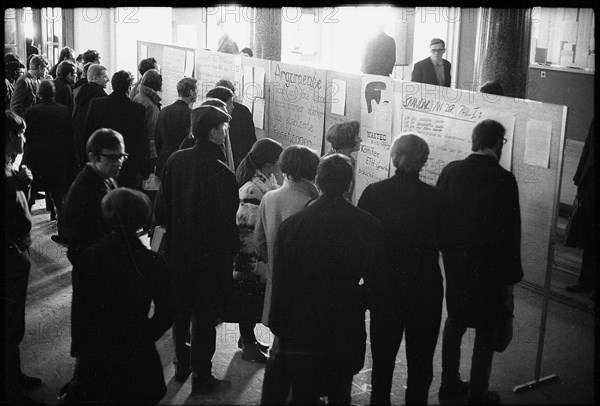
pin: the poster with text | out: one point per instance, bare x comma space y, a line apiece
447, 127
172, 70
372, 165
297, 107
376, 110
214, 66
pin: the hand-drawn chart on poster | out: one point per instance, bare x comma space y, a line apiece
376, 110
297, 110
172, 70
372, 165
447, 127
214, 66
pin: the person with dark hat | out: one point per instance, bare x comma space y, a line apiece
197, 203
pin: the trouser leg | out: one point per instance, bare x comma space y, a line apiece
588, 263
303, 377
276, 382
181, 330
422, 329
386, 336
204, 336
481, 363
339, 388
451, 342
57, 196
247, 332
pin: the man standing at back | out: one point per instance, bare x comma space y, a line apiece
197, 202
123, 115
380, 54
485, 199
26, 87
434, 70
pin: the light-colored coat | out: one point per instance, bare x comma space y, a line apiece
275, 207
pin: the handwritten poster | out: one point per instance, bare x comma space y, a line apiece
537, 143
297, 107
372, 165
214, 66
376, 110
172, 70
447, 127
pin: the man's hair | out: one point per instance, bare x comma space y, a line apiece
13, 66
185, 87
221, 93
126, 209
66, 53
299, 162
247, 51
146, 64
227, 84
206, 118
12, 123
152, 79
373, 91
37, 61
10, 57
409, 152
94, 70
492, 87
103, 138
46, 90
437, 41
65, 68
334, 175
486, 134
79, 58
343, 135
85, 69
121, 81
90, 55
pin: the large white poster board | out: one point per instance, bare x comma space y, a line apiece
213, 66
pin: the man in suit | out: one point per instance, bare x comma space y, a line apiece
318, 308
25, 93
127, 117
485, 200
380, 54
434, 70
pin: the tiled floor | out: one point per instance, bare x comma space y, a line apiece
569, 350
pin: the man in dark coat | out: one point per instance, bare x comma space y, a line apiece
65, 79
485, 199
318, 306
197, 202
128, 118
48, 153
174, 122
380, 54
417, 226
585, 236
433, 70
25, 93
242, 133
97, 80
83, 216
66, 54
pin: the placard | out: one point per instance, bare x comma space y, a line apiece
172, 70
376, 110
214, 66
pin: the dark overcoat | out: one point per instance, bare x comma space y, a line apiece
47, 151
123, 115
321, 254
417, 226
242, 133
424, 72
485, 199
197, 202
24, 94
64, 93
172, 126
114, 284
87, 92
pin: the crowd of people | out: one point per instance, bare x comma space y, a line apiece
238, 210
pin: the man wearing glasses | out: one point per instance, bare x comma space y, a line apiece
434, 70
83, 216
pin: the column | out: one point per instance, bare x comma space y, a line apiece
504, 41
266, 34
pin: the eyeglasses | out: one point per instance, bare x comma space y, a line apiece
438, 51
115, 157
504, 141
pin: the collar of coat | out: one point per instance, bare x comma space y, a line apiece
151, 94
212, 149
302, 185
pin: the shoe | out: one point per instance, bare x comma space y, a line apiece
578, 287
253, 353
263, 347
207, 386
455, 390
490, 398
59, 239
38, 196
181, 375
29, 382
